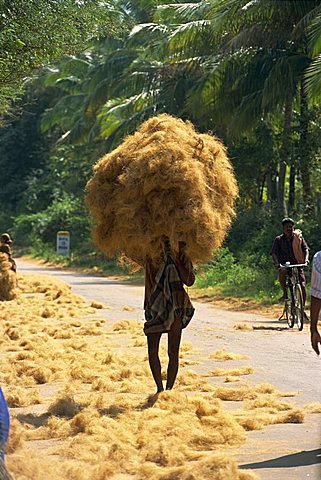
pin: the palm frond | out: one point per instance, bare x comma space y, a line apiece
97, 98
313, 78
76, 67
246, 115
188, 39
282, 79
227, 16
121, 116
146, 32
181, 12
78, 133
68, 85
314, 34
202, 95
309, 13
49, 78
62, 113
252, 36
113, 65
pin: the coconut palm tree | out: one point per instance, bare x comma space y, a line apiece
224, 64
95, 88
254, 66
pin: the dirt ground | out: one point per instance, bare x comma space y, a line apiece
263, 351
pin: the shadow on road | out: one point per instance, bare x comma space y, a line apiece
35, 420
104, 282
304, 458
262, 327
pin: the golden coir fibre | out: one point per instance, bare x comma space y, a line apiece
165, 179
80, 405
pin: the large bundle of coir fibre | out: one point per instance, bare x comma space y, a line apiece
165, 179
8, 280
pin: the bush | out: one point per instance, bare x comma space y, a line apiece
215, 271
249, 277
254, 230
41, 228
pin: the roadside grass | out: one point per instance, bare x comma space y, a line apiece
250, 278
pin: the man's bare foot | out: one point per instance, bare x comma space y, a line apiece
152, 398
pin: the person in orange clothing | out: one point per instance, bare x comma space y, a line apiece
290, 247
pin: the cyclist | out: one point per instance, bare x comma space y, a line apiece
315, 302
290, 247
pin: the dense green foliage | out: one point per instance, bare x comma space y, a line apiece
36, 32
249, 72
252, 278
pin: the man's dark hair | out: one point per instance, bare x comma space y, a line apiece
287, 220
5, 238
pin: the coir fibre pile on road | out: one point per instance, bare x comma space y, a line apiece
78, 388
166, 179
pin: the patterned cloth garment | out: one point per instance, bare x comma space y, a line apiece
316, 275
167, 301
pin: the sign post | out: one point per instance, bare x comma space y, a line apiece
63, 243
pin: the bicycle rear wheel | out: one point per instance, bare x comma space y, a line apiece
288, 313
299, 309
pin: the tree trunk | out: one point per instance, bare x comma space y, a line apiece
271, 185
304, 153
284, 154
292, 187
260, 190
281, 187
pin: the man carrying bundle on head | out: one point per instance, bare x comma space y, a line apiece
8, 277
168, 309
5, 242
164, 199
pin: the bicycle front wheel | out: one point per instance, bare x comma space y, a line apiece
299, 309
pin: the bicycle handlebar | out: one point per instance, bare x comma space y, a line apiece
288, 265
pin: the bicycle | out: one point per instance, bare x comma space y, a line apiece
293, 305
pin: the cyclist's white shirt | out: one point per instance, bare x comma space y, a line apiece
316, 275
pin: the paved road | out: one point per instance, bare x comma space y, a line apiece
279, 356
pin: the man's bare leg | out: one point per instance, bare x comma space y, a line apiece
282, 280
304, 294
174, 340
153, 340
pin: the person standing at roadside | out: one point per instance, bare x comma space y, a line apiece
315, 302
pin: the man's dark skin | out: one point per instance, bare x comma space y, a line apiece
314, 315
288, 229
174, 335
